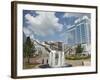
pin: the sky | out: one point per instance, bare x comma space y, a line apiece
49, 26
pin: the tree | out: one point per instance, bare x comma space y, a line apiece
79, 49
27, 48
33, 50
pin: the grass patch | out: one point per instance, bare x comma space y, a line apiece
30, 66
77, 57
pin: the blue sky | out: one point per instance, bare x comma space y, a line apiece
48, 26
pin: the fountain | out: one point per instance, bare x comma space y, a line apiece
56, 56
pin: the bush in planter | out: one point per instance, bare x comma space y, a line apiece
79, 49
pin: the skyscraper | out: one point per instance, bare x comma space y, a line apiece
80, 32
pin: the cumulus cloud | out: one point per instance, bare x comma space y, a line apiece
32, 36
27, 31
44, 24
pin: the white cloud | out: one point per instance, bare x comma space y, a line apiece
44, 24
32, 36
27, 31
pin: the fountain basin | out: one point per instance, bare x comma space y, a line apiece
47, 66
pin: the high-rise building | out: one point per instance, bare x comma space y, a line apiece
80, 32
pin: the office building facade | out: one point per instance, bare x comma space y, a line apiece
80, 33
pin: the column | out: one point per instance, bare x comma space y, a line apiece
50, 58
59, 58
53, 58
63, 59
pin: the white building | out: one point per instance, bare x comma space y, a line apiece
80, 33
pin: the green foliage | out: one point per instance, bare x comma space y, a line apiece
77, 57
28, 48
79, 49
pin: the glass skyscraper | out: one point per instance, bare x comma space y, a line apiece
79, 33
